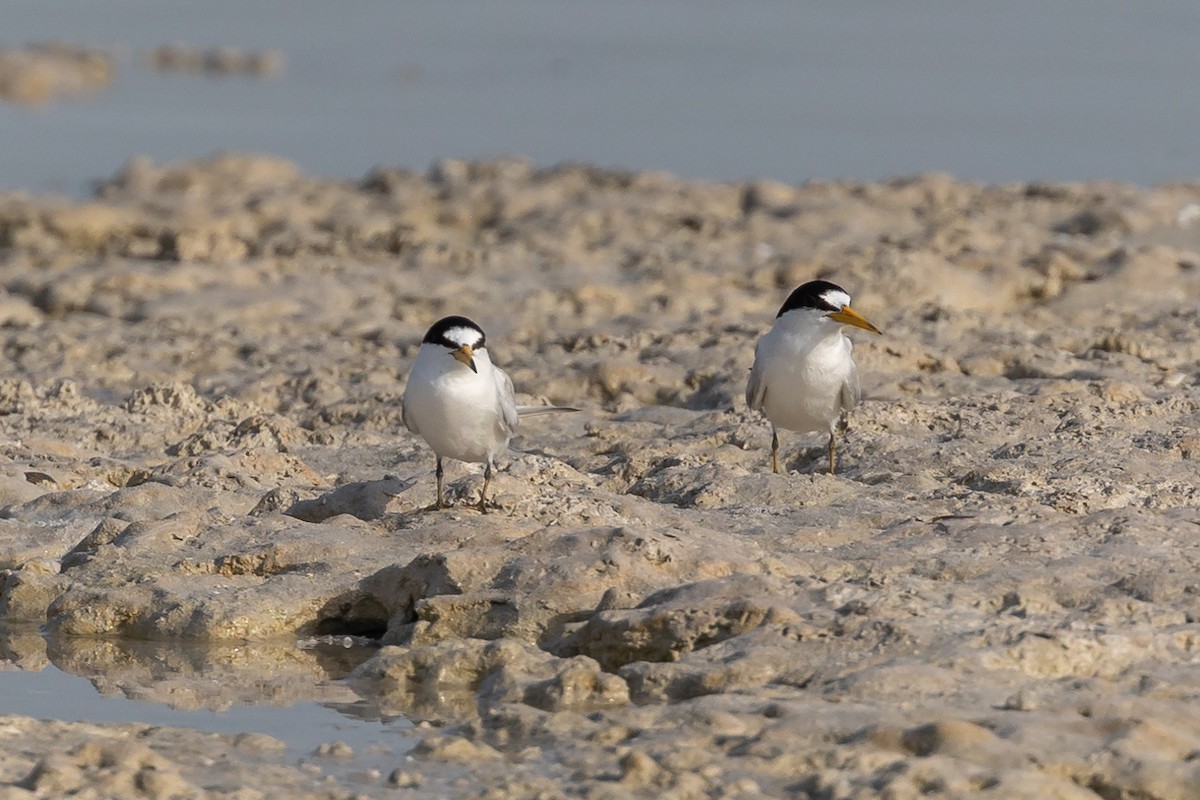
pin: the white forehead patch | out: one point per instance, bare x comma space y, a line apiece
836, 298
462, 335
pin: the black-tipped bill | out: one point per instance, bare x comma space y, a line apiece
466, 355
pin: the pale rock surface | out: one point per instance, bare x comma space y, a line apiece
208, 492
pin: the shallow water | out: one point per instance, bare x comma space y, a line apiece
303, 725
139, 682
1019, 91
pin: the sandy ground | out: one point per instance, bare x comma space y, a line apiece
995, 597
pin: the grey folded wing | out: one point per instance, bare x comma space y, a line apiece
851, 390
409, 422
756, 387
508, 401
533, 411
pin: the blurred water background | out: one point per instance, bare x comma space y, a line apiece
999, 92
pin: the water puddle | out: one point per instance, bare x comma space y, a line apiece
294, 692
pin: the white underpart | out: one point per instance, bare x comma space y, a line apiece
803, 375
465, 415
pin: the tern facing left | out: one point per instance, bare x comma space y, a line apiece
459, 402
803, 376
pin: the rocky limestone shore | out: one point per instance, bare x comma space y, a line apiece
995, 597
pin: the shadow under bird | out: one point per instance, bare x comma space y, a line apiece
460, 403
804, 378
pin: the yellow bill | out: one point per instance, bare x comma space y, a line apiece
848, 316
467, 356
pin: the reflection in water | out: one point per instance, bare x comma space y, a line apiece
215, 677
187, 677
295, 692
172, 683
22, 648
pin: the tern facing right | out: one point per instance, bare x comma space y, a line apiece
803, 376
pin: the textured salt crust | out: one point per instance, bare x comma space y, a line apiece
995, 597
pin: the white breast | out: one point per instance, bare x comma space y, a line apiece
804, 372
455, 410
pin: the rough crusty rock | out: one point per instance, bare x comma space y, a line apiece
994, 597
417, 680
55, 759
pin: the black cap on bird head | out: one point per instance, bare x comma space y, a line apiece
460, 336
828, 298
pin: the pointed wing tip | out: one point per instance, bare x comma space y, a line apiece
530, 411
